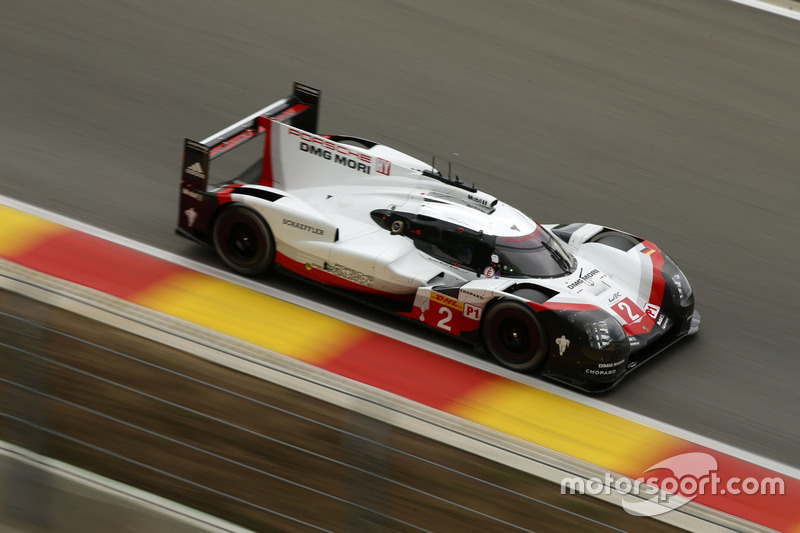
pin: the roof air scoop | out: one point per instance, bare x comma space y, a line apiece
474, 199
482, 201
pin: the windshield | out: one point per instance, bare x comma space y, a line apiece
536, 255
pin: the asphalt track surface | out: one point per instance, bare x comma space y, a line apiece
677, 120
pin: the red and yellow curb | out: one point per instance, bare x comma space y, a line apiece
608, 441
612, 442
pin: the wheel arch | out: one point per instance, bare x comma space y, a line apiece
538, 318
266, 239
227, 206
617, 239
545, 317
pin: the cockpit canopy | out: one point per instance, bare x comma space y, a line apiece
538, 254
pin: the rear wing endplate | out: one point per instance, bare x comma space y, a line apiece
300, 110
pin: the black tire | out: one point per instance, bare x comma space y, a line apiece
514, 336
243, 240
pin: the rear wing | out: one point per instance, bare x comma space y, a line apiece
300, 110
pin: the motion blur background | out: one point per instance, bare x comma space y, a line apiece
676, 120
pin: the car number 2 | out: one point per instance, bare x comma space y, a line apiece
628, 310
444, 323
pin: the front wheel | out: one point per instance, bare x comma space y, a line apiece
243, 240
514, 336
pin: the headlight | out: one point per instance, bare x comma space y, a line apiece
683, 287
603, 333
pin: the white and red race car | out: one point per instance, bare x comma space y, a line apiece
582, 303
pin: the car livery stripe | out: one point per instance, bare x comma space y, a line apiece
289, 113
320, 275
612, 443
237, 140
656, 290
224, 196
561, 306
267, 176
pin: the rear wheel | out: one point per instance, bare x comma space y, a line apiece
514, 336
243, 240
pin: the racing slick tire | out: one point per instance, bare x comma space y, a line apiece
244, 241
514, 336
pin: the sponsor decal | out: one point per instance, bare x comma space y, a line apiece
628, 311
594, 372
338, 153
475, 295
316, 150
329, 155
383, 166
195, 170
289, 113
233, 142
489, 272
192, 194
478, 200
191, 216
611, 365
328, 144
585, 278
472, 312
303, 227
446, 300
563, 344
614, 297
350, 274
652, 310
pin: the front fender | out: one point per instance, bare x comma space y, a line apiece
586, 346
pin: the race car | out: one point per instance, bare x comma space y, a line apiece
580, 303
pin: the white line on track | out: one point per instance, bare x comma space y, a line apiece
722, 447
784, 8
